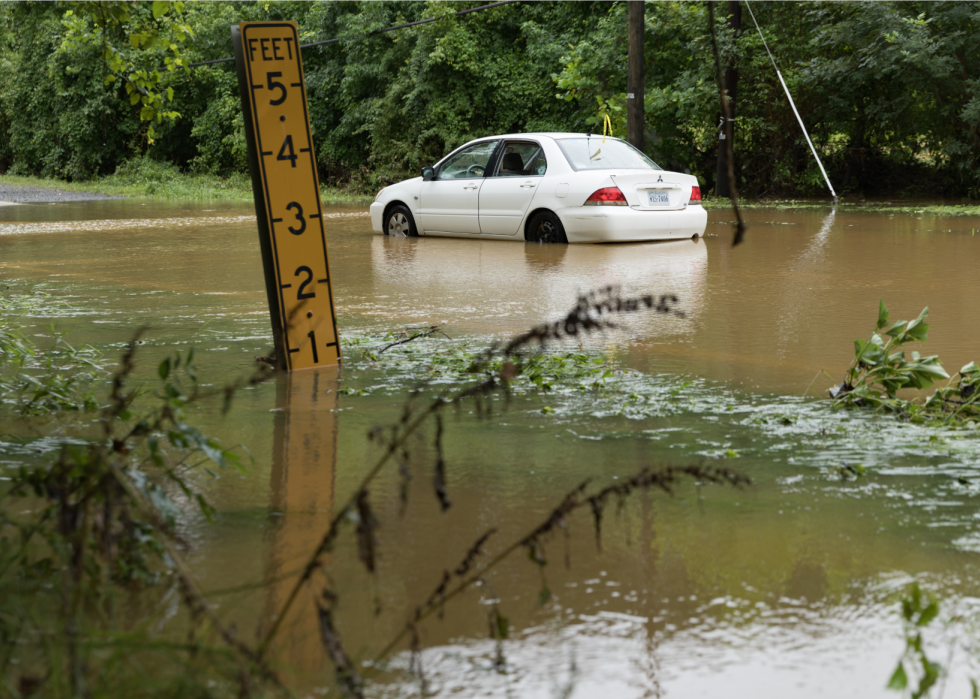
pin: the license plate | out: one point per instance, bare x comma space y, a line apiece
658, 198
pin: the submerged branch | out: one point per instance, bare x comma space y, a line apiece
425, 332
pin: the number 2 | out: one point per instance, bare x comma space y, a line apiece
309, 278
273, 85
299, 217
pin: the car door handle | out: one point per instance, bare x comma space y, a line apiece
527, 186
470, 186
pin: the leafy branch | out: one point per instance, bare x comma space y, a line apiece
878, 373
155, 33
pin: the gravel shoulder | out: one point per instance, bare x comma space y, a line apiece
18, 194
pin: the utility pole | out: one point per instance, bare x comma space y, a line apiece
726, 131
634, 79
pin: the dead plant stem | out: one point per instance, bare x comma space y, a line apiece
328, 537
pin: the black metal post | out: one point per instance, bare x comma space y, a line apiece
258, 194
726, 130
634, 79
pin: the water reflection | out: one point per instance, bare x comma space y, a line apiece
543, 258
798, 279
502, 287
304, 464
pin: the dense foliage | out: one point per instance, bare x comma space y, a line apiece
890, 91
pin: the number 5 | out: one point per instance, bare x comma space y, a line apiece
273, 85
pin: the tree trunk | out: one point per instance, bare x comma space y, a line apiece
634, 80
731, 87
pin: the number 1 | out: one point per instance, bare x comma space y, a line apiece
312, 336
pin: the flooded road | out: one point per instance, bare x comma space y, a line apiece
787, 588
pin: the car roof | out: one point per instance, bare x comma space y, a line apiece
548, 134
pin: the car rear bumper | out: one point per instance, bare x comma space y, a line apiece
611, 224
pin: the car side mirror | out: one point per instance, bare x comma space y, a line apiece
428, 174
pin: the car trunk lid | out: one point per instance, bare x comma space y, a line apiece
653, 190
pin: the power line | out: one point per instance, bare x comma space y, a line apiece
376, 31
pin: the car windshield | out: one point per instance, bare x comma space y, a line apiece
469, 163
592, 154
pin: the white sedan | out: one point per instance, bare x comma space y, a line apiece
544, 187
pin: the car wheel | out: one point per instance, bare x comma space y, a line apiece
399, 222
545, 227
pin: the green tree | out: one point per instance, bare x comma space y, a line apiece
140, 45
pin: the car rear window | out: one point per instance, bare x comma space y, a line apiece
592, 154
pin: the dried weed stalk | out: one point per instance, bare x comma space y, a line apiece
103, 497
592, 313
649, 478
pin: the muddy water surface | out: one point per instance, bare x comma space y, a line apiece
787, 588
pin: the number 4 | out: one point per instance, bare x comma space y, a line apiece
287, 144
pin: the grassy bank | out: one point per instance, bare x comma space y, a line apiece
965, 209
146, 178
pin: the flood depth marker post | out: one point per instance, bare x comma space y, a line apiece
287, 194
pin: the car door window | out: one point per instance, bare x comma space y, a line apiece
540, 164
468, 163
521, 159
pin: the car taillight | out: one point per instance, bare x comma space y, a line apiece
607, 196
379, 193
695, 195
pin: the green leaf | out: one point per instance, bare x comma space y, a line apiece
160, 8
928, 614
899, 680
931, 675
502, 627
882, 315
544, 595
896, 329
164, 369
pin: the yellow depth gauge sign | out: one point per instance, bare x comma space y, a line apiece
287, 194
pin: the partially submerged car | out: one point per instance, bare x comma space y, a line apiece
544, 187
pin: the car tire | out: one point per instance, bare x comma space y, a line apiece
544, 227
399, 223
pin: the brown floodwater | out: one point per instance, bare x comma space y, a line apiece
786, 588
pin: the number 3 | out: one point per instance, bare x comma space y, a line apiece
299, 217
273, 85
